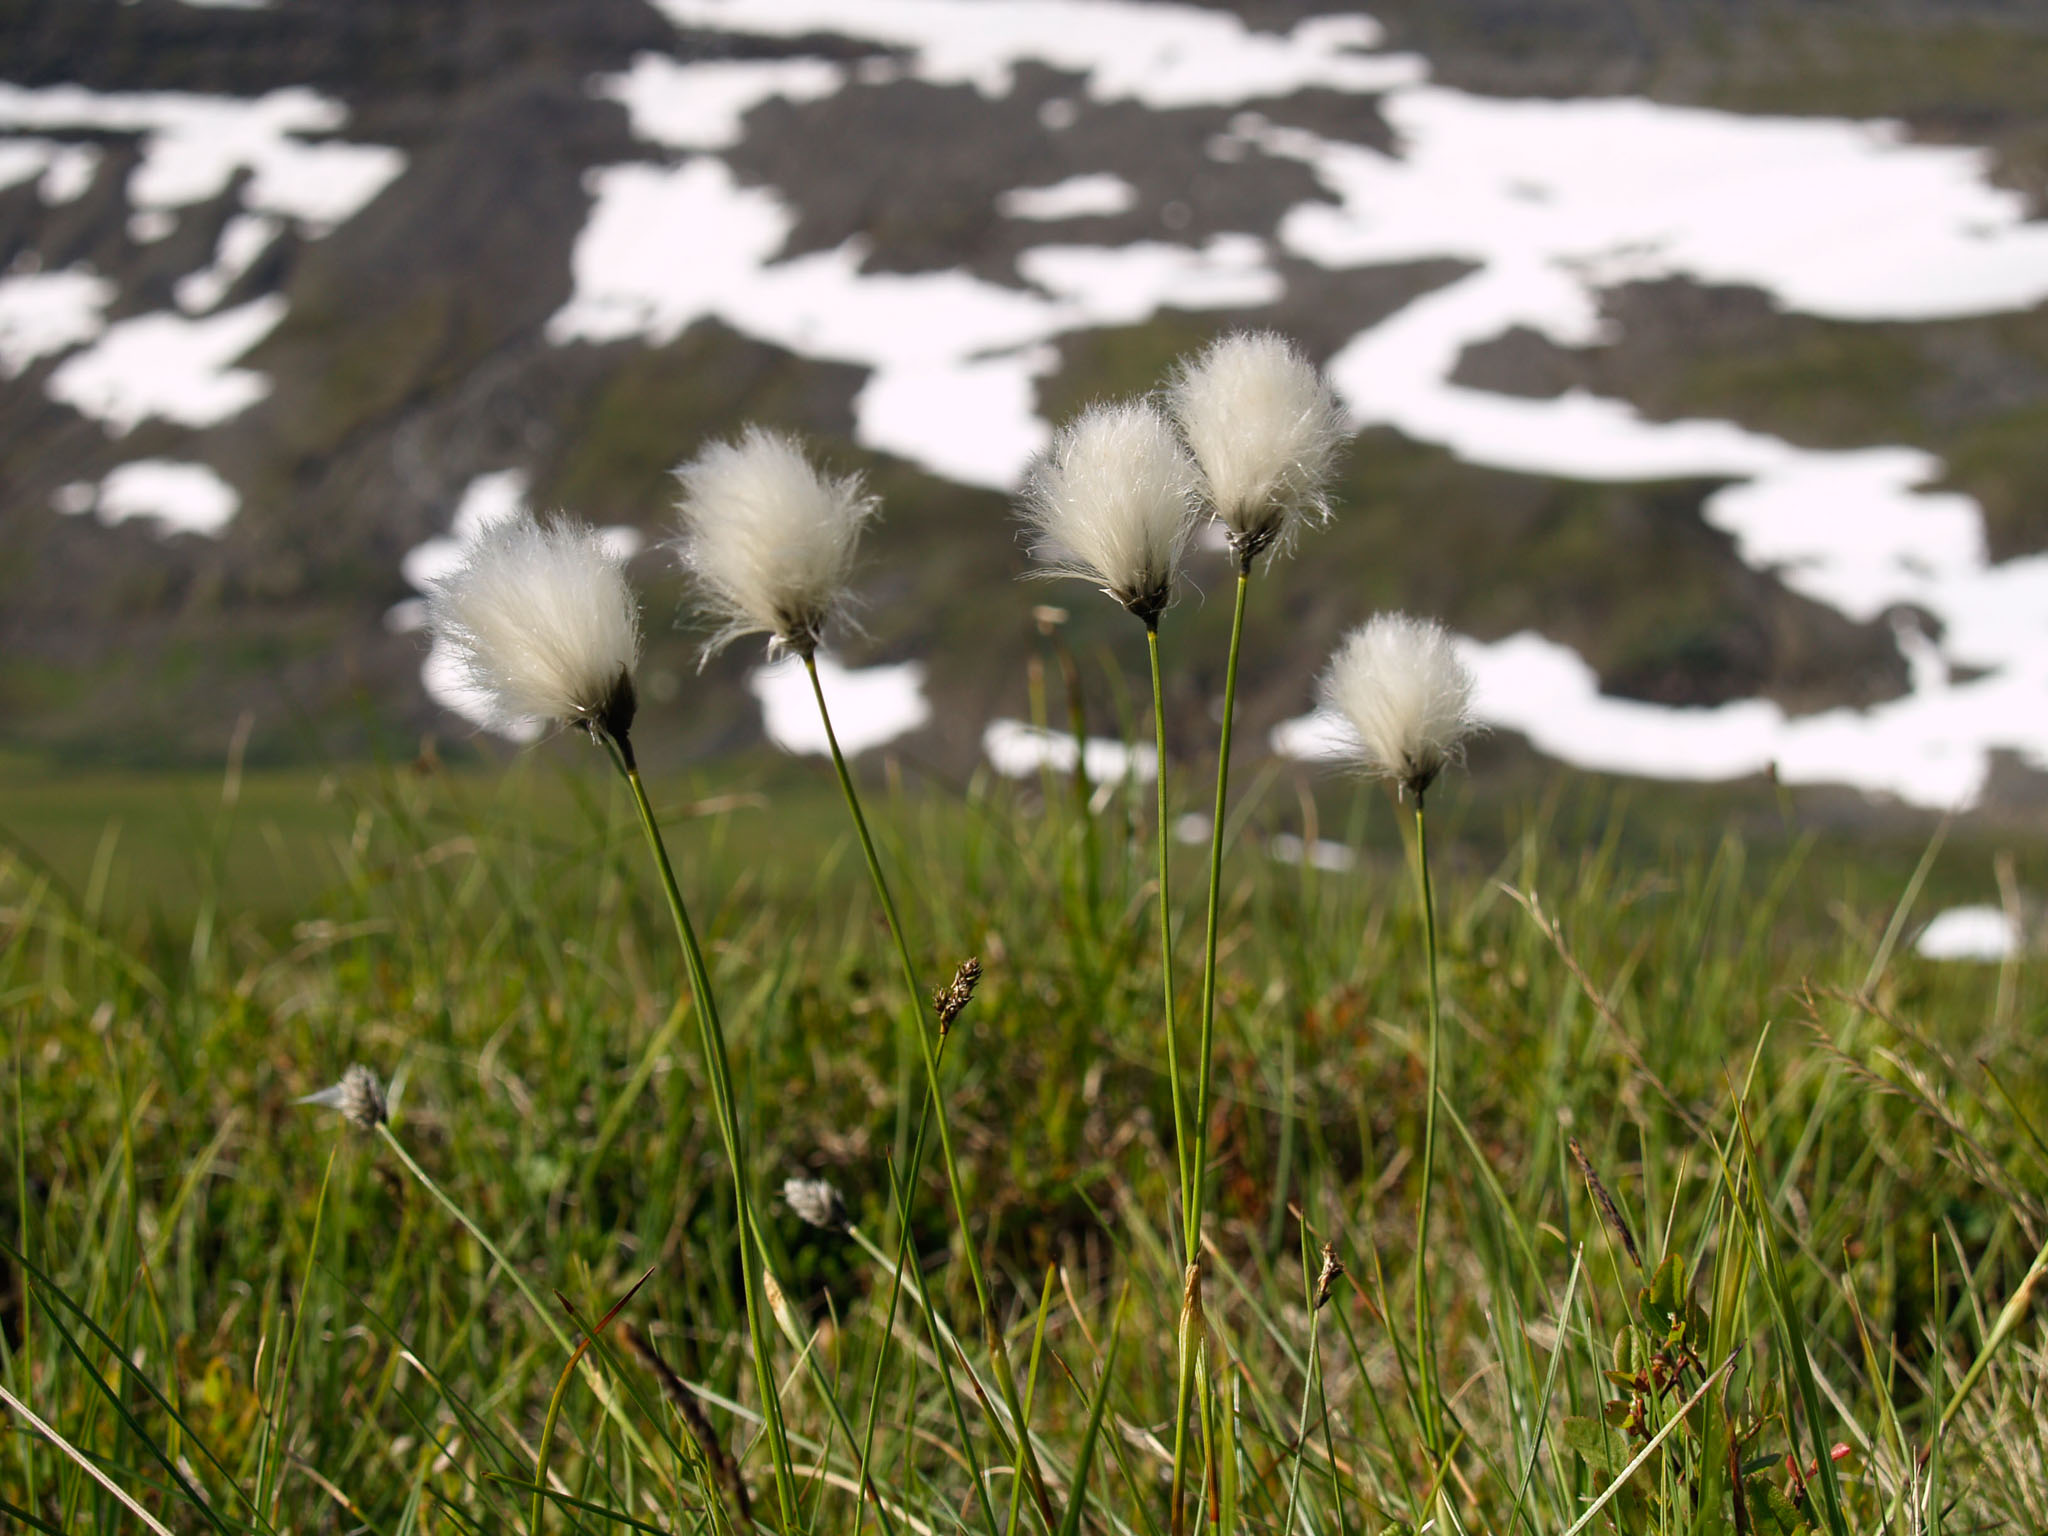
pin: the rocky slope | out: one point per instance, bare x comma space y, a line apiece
420, 345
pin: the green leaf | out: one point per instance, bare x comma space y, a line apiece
1628, 1357
1603, 1449
1663, 1302
1771, 1512
1070, 1525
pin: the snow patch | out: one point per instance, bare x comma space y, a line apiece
871, 706
184, 498
243, 240
703, 105
194, 146
1323, 853
169, 366
1969, 933
1099, 194
1161, 56
1930, 747
1555, 200
1020, 751
44, 313
954, 358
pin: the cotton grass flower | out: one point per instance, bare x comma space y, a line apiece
1265, 430
817, 1202
358, 1096
1114, 502
769, 540
543, 625
1407, 697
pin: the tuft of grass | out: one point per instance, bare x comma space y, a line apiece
246, 1318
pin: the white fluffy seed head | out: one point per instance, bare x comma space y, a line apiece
1399, 684
1113, 501
769, 540
1265, 429
359, 1097
817, 1202
543, 624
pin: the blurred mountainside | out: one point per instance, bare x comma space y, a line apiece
420, 345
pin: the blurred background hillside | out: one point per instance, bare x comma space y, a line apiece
1698, 352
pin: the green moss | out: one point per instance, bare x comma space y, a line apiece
1124, 360
2003, 462
1834, 62
657, 406
368, 365
1828, 385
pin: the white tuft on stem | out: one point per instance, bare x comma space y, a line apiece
1265, 430
1113, 501
543, 624
769, 540
817, 1202
1407, 697
359, 1097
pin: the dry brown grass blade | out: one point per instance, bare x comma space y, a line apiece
1605, 1201
678, 1392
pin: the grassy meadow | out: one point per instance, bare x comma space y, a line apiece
1735, 1191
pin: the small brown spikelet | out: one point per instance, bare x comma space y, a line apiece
1606, 1203
1332, 1271
951, 1001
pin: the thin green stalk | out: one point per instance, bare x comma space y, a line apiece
1165, 838
1198, 1174
463, 1220
925, 1309
718, 1068
28, 1330
269, 1459
1425, 1339
1031, 1388
2009, 1317
991, 1332
1188, 1345
942, 1341
1308, 1385
1195, 1174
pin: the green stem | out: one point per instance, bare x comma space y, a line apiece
1308, 1386
1196, 1171
1425, 1339
934, 1330
463, 1220
991, 1334
711, 1035
1197, 1177
896, 1287
1180, 1130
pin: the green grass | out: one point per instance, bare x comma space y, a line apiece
247, 1317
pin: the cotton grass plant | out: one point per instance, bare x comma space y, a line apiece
770, 542
1404, 697
1113, 502
545, 627
1264, 429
